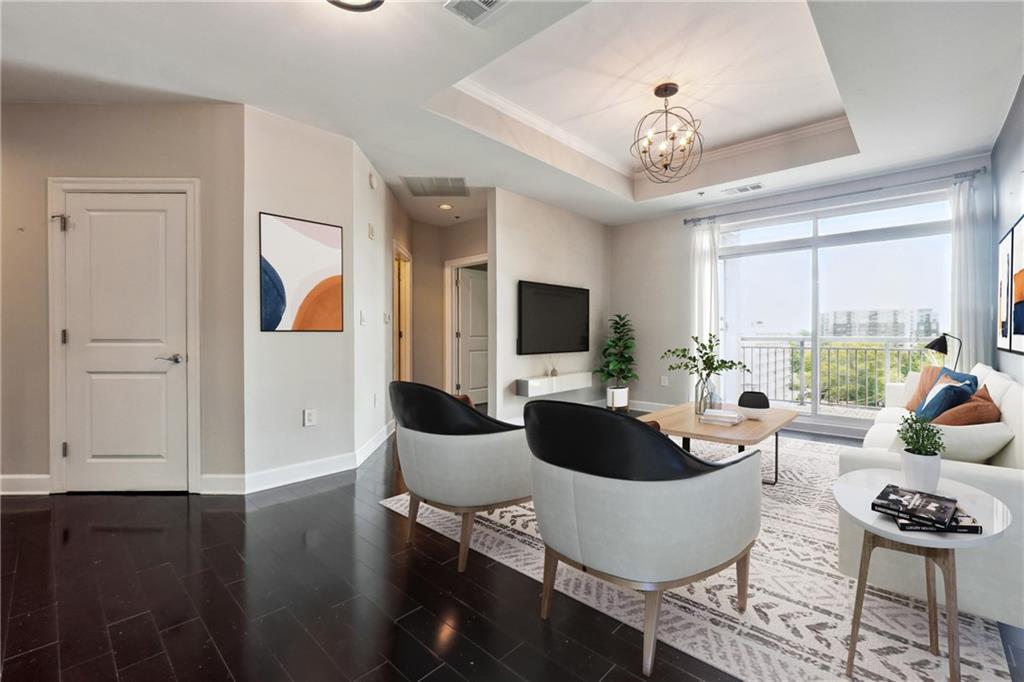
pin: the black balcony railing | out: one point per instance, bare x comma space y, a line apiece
853, 372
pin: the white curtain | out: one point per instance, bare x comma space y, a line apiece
704, 280
973, 315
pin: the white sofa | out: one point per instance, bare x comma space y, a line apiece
990, 579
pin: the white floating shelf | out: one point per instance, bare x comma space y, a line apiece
531, 387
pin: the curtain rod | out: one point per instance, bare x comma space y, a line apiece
956, 176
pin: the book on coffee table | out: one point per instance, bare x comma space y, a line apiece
962, 522
916, 506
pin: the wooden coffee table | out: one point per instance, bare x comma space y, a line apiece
682, 421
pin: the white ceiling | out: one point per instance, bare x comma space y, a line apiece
741, 80
919, 82
428, 209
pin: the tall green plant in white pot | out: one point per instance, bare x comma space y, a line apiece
922, 445
617, 362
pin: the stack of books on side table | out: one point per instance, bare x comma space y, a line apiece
721, 417
918, 511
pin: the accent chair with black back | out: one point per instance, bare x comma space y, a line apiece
620, 500
456, 458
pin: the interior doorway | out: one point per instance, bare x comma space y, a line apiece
402, 313
466, 356
124, 351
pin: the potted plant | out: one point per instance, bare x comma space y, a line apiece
702, 362
922, 443
617, 362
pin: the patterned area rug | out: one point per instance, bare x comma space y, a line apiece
797, 622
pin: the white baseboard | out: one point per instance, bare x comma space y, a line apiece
370, 446
300, 471
25, 484
234, 484
221, 484
645, 406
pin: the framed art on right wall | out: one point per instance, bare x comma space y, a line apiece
1015, 310
1004, 292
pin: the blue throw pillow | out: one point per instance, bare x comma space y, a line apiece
959, 377
941, 399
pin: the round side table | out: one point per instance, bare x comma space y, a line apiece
854, 492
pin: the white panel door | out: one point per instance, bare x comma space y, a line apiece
472, 334
125, 317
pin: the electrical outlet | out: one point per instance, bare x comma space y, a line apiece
664, 381
362, 318
375, 399
309, 417
387, 318
370, 231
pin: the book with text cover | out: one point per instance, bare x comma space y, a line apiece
914, 505
962, 522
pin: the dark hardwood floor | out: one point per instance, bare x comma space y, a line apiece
307, 582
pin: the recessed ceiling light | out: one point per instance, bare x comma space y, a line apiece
445, 207
357, 5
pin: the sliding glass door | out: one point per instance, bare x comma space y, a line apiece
828, 306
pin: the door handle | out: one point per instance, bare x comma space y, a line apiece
177, 358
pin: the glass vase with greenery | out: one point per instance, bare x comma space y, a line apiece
617, 361
920, 436
702, 362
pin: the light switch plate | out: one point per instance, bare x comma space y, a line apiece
309, 417
664, 381
362, 318
370, 230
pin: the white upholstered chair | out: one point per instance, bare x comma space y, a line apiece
456, 458
620, 500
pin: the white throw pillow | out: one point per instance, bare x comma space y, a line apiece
909, 387
976, 442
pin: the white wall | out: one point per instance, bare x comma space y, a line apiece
650, 266
1008, 185
298, 170
530, 240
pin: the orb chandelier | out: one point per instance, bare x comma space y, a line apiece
667, 141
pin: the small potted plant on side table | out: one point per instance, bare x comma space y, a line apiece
703, 362
617, 362
922, 461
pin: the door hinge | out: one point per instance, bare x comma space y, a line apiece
457, 281
64, 449
458, 387
63, 221
64, 336
458, 335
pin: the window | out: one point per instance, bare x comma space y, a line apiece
827, 306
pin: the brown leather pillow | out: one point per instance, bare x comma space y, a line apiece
929, 375
465, 398
978, 410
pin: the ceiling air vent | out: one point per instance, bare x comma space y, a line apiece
473, 11
436, 187
743, 189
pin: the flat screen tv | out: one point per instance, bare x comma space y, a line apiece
553, 319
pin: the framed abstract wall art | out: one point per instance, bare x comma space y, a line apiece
1016, 286
301, 279
1004, 292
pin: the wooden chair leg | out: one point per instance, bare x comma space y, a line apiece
550, 569
742, 581
652, 608
414, 511
933, 608
466, 537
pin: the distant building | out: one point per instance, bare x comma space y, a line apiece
915, 323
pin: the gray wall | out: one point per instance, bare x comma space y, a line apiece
167, 140
432, 246
1008, 187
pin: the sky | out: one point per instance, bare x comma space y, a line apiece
770, 294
